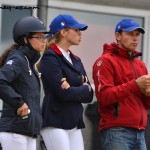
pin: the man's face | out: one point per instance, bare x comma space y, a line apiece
128, 40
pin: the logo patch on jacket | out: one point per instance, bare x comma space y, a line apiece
99, 63
9, 62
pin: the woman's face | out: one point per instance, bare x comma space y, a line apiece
38, 42
73, 36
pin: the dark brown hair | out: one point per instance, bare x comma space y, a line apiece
4, 55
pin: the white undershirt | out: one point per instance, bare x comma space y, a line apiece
66, 54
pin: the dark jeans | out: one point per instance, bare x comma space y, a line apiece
119, 138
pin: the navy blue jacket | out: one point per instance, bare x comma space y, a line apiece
19, 83
62, 108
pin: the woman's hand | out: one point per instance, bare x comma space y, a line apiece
23, 110
89, 87
84, 79
65, 84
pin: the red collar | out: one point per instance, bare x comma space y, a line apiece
56, 50
114, 49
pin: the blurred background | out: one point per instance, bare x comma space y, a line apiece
101, 16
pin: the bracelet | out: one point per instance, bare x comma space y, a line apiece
85, 79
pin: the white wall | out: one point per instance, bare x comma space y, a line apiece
144, 4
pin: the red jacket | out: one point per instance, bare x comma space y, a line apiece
121, 102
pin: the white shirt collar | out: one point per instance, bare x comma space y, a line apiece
66, 54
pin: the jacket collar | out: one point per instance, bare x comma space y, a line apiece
56, 50
75, 59
114, 49
32, 55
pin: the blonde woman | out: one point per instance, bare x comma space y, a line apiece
62, 108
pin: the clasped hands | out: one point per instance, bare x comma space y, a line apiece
144, 84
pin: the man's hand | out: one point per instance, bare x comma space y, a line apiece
144, 84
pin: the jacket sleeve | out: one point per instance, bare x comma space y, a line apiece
86, 78
8, 73
107, 92
52, 74
146, 101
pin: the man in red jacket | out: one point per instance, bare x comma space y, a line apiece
122, 90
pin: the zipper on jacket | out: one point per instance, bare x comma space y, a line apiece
135, 75
37, 74
35, 66
30, 71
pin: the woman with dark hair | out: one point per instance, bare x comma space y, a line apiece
21, 119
